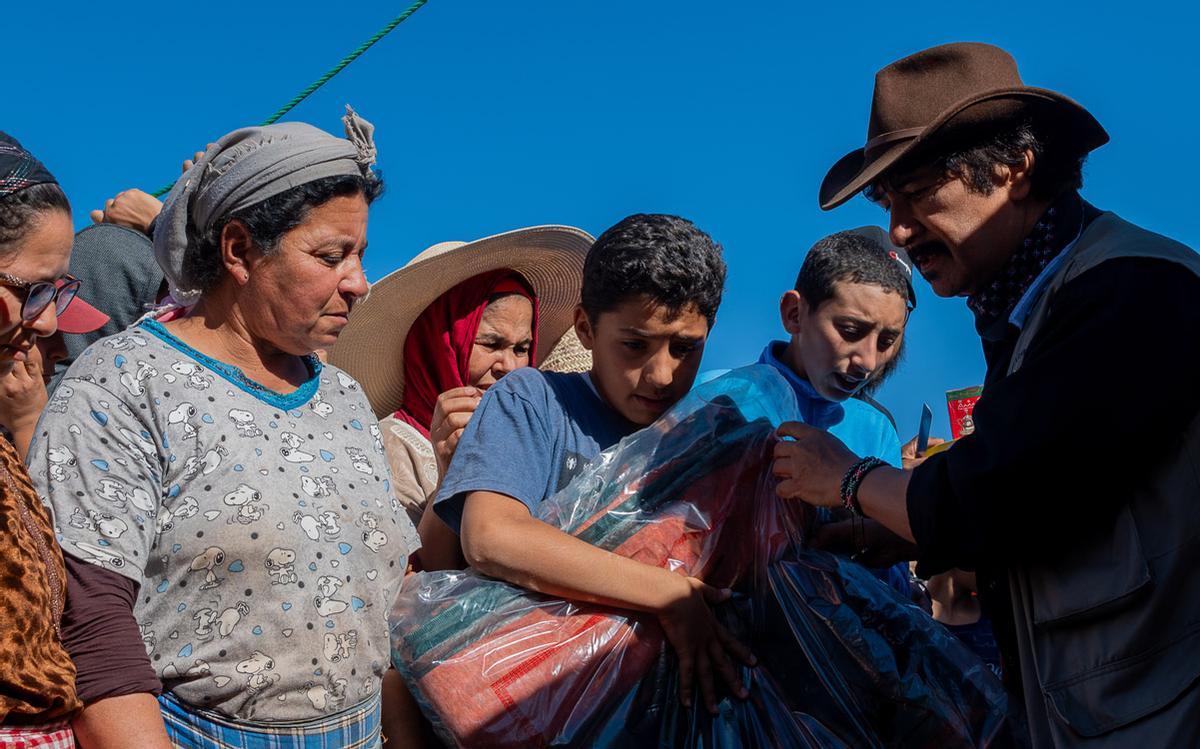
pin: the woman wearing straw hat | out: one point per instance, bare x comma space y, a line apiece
438, 332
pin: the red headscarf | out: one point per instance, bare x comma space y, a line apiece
437, 351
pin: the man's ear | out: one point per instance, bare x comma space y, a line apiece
237, 247
584, 329
1020, 177
792, 311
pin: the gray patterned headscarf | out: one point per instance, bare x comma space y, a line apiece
246, 167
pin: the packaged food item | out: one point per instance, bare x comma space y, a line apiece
844, 660
961, 404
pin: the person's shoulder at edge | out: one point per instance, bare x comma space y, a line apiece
1108, 227
532, 380
878, 408
1106, 221
114, 261
518, 405
1135, 288
117, 351
333, 375
874, 418
401, 430
134, 356
115, 237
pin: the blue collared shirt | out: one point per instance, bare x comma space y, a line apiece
1020, 311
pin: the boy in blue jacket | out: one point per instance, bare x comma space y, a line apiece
845, 319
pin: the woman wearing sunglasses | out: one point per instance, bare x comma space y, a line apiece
26, 388
37, 678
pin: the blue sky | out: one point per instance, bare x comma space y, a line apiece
492, 116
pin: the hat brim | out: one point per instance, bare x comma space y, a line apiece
81, 317
854, 171
371, 346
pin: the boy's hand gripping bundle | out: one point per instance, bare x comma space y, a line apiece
844, 660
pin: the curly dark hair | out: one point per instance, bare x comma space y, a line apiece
20, 210
848, 256
973, 154
665, 258
269, 220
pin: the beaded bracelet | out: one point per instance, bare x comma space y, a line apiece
853, 479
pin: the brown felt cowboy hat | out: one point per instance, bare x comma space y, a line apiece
371, 346
941, 90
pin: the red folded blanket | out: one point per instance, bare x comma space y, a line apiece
540, 676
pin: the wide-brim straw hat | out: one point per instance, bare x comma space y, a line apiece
940, 90
568, 355
371, 346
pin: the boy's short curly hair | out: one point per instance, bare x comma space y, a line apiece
851, 257
661, 257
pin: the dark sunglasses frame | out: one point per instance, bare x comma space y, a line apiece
41, 294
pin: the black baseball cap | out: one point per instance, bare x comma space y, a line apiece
879, 236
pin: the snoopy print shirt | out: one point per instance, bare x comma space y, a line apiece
260, 527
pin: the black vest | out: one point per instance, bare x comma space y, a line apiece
1109, 631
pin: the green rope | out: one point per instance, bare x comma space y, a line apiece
345, 61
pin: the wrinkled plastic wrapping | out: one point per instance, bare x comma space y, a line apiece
844, 660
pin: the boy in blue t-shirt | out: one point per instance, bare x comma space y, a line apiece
651, 288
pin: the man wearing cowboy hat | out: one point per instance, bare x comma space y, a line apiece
1086, 546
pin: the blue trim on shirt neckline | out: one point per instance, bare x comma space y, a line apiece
286, 401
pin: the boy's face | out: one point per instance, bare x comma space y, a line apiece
839, 346
643, 359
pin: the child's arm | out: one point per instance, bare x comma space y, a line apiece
501, 539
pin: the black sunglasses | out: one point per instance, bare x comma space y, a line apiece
40, 294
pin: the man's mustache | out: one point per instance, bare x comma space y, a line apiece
925, 249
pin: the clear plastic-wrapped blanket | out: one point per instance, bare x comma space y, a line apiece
843, 659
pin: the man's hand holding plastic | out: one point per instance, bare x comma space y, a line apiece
810, 467
869, 541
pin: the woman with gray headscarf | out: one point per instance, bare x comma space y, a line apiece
222, 497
